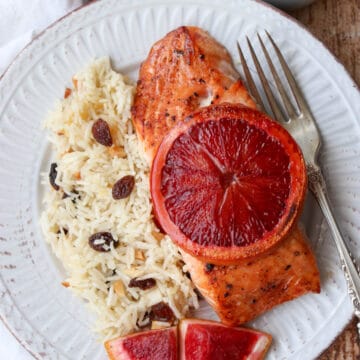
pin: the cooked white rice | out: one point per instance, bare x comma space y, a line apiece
87, 171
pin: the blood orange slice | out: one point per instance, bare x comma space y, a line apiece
228, 183
148, 345
207, 340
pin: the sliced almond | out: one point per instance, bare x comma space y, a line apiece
157, 235
70, 150
84, 113
119, 288
98, 106
75, 83
117, 151
139, 255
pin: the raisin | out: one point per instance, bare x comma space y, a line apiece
162, 312
144, 284
52, 176
123, 187
101, 132
104, 241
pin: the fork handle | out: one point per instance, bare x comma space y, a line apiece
352, 274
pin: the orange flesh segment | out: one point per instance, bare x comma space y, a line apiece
207, 340
220, 175
228, 183
148, 345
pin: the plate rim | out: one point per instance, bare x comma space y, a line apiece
48, 28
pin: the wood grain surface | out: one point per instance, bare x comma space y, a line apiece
337, 24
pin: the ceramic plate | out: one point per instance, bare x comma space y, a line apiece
43, 315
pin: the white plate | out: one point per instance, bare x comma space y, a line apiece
45, 317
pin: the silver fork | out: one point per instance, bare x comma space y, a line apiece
298, 120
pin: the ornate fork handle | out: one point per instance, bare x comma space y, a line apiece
352, 274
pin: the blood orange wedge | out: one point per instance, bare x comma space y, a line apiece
148, 345
208, 340
228, 183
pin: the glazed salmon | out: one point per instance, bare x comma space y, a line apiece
185, 70
239, 293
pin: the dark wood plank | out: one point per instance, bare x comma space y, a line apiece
337, 24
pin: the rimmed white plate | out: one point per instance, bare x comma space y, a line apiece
43, 315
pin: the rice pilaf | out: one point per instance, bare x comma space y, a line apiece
83, 205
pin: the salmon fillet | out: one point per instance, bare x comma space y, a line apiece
185, 70
239, 293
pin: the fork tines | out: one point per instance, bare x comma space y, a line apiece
290, 110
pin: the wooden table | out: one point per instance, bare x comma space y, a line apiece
337, 24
